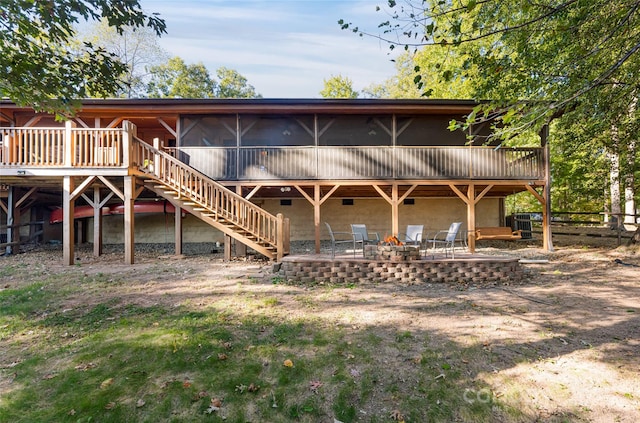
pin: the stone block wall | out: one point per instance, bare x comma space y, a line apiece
456, 272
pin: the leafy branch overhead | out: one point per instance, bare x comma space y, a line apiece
42, 66
540, 59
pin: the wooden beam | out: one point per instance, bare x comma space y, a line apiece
483, 193
167, 127
80, 189
112, 187
25, 197
114, 123
460, 194
252, 193
97, 221
327, 195
406, 194
68, 235
471, 218
11, 213
535, 193
129, 218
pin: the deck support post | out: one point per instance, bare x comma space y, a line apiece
97, 222
227, 247
68, 208
316, 202
280, 234
316, 216
471, 218
129, 219
177, 224
11, 213
241, 249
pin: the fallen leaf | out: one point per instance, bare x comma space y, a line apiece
288, 363
227, 345
72, 412
253, 388
110, 406
397, 416
106, 383
85, 366
140, 403
216, 402
315, 385
186, 384
48, 376
222, 356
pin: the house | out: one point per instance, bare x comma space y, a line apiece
259, 172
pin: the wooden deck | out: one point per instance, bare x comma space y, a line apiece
72, 160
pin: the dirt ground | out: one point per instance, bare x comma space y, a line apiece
565, 340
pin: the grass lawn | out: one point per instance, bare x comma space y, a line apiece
200, 340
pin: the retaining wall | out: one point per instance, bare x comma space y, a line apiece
473, 271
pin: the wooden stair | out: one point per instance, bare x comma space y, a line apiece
212, 202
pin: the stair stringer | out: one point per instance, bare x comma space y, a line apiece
208, 216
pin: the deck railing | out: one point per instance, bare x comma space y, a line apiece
364, 163
68, 146
82, 147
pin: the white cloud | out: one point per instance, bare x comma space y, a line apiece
283, 48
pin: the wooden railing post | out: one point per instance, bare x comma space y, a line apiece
279, 236
69, 143
127, 144
156, 158
8, 155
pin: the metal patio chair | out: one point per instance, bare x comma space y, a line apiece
445, 239
413, 235
339, 239
362, 236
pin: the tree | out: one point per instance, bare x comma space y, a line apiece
573, 61
338, 86
39, 65
177, 79
232, 84
561, 57
137, 48
422, 70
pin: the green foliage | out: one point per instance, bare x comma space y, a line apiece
573, 62
41, 67
232, 84
176, 79
338, 86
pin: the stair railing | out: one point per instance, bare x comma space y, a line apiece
221, 203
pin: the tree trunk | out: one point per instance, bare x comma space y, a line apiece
614, 178
629, 185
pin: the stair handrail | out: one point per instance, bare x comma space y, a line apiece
209, 194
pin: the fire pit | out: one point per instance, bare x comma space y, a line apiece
391, 249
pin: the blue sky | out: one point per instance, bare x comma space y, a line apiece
285, 48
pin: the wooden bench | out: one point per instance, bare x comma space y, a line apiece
499, 232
